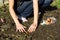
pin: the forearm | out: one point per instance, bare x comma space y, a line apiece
35, 6
14, 16
12, 12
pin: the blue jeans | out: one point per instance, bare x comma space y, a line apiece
26, 8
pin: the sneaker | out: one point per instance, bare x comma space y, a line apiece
24, 19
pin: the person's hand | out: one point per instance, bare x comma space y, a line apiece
20, 28
32, 28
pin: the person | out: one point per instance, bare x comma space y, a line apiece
24, 10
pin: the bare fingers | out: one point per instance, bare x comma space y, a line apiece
32, 29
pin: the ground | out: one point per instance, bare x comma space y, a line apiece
45, 32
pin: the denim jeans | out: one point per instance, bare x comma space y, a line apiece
26, 8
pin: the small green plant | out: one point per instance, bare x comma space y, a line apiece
56, 3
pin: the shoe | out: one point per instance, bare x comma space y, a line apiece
24, 19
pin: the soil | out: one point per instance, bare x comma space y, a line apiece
45, 32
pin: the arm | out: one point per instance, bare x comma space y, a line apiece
19, 27
35, 6
11, 10
33, 27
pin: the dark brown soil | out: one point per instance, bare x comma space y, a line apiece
45, 32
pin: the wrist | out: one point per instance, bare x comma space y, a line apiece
17, 22
35, 20
35, 23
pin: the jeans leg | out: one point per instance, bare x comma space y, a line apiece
27, 11
26, 8
21, 8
